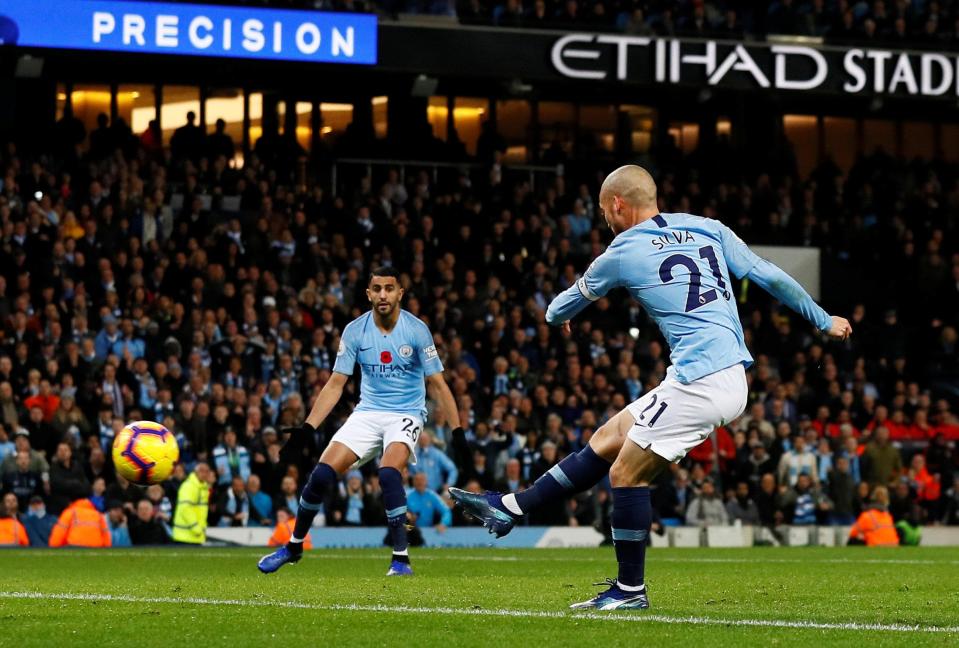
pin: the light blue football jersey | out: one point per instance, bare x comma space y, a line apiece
394, 366
677, 267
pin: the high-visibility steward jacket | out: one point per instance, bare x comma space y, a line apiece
81, 525
876, 528
12, 533
284, 531
192, 506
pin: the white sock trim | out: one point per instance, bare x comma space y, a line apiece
405, 552
509, 501
296, 540
631, 588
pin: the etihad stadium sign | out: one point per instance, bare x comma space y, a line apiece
776, 66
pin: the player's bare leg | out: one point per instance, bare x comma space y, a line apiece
630, 477
395, 458
576, 473
335, 460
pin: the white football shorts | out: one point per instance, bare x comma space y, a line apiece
368, 433
674, 418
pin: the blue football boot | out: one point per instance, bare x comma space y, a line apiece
271, 562
484, 508
614, 599
398, 568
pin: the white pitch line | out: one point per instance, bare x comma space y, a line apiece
525, 614
322, 554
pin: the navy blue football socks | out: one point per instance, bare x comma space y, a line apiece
394, 500
632, 519
311, 500
575, 473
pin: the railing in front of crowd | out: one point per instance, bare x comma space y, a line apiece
337, 168
434, 167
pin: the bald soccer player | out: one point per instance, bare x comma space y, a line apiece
677, 266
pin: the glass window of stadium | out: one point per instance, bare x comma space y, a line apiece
336, 117
304, 109
948, 140
724, 127
838, 140
281, 116
557, 128
685, 135
597, 125
802, 131
88, 102
136, 104
256, 117
436, 115
468, 116
641, 120
513, 123
918, 140
178, 101
61, 100
380, 107
879, 134
226, 104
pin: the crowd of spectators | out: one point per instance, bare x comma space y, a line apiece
904, 23
926, 24
128, 292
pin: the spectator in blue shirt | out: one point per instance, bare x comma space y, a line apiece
428, 507
128, 342
261, 505
38, 523
117, 523
439, 469
106, 338
231, 460
7, 447
353, 499
579, 221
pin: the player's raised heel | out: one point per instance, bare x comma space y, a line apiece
481, 508
398, 568
272, 562
614, 599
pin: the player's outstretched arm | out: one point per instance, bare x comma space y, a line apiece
566, 306
329, 396
327, 400
440, 392
601, 276
787, 290
743, 262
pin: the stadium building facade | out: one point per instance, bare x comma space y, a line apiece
609, 96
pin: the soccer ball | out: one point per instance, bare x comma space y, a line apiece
145, 453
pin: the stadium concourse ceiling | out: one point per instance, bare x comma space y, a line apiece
329, 54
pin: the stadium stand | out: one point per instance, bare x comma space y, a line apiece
139, 284
921, 25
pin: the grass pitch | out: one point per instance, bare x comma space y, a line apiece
699, 597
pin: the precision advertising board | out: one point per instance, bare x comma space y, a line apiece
189, 29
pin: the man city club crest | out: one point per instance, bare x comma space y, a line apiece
406, 351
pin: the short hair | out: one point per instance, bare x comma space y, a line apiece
384, 271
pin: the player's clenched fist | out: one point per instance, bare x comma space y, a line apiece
840, 328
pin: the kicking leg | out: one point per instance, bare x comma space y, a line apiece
576, 473
394, 460
336, 459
